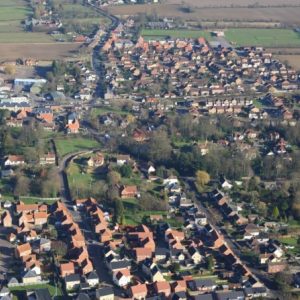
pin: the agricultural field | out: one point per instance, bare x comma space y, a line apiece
292, 60
286, 15
161, 34
263, 37
231, 3
40, 51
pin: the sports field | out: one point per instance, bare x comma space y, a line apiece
161, 34
263, 37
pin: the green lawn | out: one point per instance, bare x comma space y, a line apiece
73, 144
163, 33
10, 13
34, 200
263, 37
50, 287
104, 110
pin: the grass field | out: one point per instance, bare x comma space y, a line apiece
104, 110
263, 37
73, 144
161, 34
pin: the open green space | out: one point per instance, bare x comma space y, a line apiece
29, 200
173, 33
104, 110
18, 290
263, 37
73, 144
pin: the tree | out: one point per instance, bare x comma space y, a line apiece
202, 178
159, 147
113, 177
10, 69
126, 171
119, 211
22, 186
275, 212
60, 248
210, 263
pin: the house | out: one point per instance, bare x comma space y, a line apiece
92, 279
138, 291
6, 219
230, 295
122, 278
96, 161
202, 285
123, 159
162, 288
161, 254
23, 250
250, 231
258, 292
129, 191
48, 159
179, 296
142, 254
105, 293
195, 255
73, 123
72, 281
178, 286
67, 269
31, 277
14, 160
42, 294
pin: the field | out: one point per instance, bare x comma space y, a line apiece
231, 3
287, 15
73, 144
292, 60
80, 16
44, 51
161, 34
263, 37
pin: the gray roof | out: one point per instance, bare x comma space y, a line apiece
72, 278
93, 275
83, 296
122, 264
104, 292
42, 294
30, 274
230, 295
204, 297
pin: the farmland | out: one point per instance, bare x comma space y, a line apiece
232, 3
286, 15
292, 60
263, 37
41, 51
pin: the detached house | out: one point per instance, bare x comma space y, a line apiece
129, 191
14, 160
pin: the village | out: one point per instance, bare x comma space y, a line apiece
181, 183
